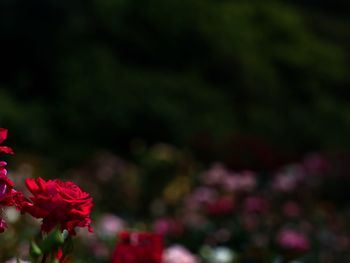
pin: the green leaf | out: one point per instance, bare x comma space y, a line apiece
34, 250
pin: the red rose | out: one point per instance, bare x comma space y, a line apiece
6, 191
7, 194
58, 203
3, 136
138, 248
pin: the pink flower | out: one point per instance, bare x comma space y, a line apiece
168, 227
110, 225
232, 183
201, 196
178, 254
248, 181
215, 175
293, 240
284, 183
239, 182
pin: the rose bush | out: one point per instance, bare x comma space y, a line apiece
63, 206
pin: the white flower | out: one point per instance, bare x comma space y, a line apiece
221, 255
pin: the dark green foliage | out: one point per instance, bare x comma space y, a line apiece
82, 75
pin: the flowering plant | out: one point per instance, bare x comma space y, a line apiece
203, 214
59, 203
62, 206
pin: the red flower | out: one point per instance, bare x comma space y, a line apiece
138, 248
3, 136
7, 194
3, 170
61, 257
59, 203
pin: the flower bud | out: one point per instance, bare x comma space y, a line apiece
34, 250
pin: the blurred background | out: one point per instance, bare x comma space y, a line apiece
137, 99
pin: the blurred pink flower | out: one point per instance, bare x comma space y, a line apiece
231, 183
178, 254
215, 175
168, 226
246, 181
201, 195
288, 179
284, 183
293, 240
110, 225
